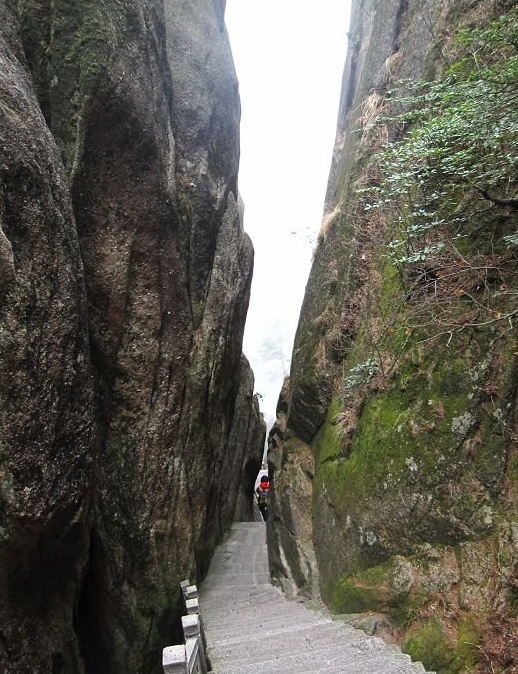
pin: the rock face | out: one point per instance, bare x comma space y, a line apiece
398, 497
128, 417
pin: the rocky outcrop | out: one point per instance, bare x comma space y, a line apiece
244, 462
290, 531
410, 471
128, 415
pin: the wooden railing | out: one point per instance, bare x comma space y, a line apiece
190, 657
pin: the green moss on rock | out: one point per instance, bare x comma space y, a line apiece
430, 645
327, 444
362, 592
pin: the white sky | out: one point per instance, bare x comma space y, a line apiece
289, 57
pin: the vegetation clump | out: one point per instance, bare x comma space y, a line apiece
447, 186
430, 645
362, 592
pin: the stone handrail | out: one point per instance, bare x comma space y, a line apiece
188, 658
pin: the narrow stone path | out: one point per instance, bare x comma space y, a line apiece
251, 628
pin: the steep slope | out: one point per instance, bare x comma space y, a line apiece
398, 422
241, 611
128, 415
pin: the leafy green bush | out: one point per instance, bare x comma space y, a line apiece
448, 182
459, 150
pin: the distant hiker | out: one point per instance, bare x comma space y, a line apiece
262, 495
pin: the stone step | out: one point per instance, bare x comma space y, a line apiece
319, 634
337, 659
381, 666
238, 593
251, 628
260, 613
285, 643
265, 616
258, 595
258, 625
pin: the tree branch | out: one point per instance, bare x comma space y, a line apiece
512, 203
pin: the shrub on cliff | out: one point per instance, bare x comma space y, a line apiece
448, 186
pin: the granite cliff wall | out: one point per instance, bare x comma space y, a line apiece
129, 425
394, 495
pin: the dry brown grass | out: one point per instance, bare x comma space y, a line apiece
327, 222
374, 134
499, 647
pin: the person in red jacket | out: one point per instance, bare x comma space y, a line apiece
263, 494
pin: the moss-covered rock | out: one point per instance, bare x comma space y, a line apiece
361, 592
411, 397
430, 645
292, 559
445, 653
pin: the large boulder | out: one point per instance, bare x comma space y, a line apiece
125, 277
406, 437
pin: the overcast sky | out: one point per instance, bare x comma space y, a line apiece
289, 57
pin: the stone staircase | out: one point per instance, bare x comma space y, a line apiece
251, 628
